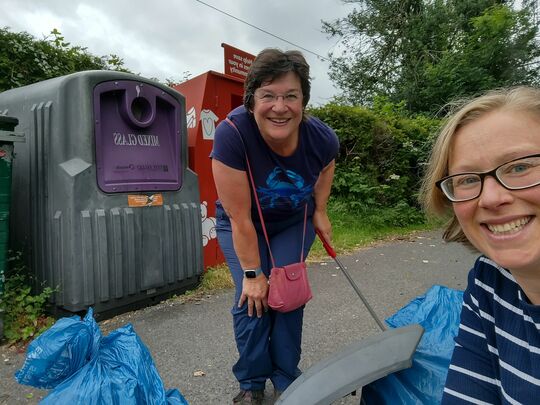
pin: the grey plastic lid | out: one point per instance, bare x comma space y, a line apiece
355, 366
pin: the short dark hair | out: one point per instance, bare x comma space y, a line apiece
272, 63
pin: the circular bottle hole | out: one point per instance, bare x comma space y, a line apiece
141, 109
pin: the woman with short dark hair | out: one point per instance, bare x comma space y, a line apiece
292, 159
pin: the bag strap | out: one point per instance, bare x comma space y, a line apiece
259, 210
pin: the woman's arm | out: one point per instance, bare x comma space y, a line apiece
235, 195
321, 193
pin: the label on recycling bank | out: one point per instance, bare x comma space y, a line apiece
143, 200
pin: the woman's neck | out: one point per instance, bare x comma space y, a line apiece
285, 147
530, 284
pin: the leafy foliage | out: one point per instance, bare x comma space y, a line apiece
23, 311
429, 52
25, 60
382, 151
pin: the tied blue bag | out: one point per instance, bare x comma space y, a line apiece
60, 351
85, 368
122, 372
438, 312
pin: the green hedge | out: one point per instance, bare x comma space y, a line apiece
382, 153
25, 60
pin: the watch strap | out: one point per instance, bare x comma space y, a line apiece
257, 271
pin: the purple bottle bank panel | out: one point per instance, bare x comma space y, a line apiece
137, 134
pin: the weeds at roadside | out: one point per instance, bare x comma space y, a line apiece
23, 312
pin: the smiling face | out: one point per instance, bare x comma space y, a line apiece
502, 224
279, 120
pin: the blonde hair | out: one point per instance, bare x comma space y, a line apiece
522, 99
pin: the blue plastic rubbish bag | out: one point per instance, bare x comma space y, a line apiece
121, 373
438, 311
60, 351
85, 368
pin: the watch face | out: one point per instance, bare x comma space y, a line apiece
250, 274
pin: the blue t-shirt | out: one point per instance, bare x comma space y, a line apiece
284, 184
496, 359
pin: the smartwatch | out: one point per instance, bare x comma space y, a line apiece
252, 273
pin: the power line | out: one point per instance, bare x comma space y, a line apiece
262, 30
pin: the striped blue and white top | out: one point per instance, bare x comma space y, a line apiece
496, 359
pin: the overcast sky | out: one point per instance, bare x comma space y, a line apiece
167, 38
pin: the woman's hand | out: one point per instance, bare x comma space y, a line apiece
321, 222
255, 291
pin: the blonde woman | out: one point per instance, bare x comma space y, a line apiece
485, 172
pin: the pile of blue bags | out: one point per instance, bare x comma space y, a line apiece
81, 366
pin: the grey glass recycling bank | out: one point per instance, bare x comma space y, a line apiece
103, 202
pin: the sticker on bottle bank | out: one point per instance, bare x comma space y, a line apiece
143, 200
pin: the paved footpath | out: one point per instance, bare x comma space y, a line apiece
192, 342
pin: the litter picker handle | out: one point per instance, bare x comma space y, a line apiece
332, 254
326, 245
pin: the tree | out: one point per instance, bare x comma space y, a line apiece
427, 52
25, 59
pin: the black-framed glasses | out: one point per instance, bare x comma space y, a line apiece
516, 174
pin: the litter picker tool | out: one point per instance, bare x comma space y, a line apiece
331, 252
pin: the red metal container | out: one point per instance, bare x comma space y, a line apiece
209, 98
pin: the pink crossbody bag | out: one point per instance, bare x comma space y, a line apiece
289, 287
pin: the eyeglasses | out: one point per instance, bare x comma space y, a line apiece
516, 174
267, 97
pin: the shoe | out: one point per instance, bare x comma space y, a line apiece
249, 397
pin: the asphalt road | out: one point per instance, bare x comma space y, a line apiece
192, 343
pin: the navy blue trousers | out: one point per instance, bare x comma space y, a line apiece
269, 347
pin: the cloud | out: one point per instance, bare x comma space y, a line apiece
166, 38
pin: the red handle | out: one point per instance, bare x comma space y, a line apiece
326, 245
